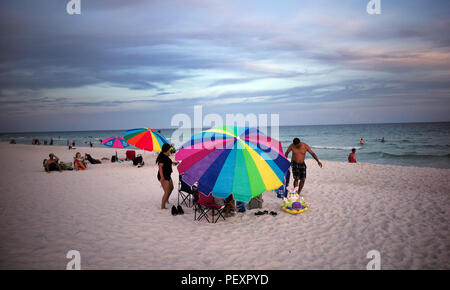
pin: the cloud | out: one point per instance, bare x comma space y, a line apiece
223, 54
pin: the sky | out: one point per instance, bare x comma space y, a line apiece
128, 64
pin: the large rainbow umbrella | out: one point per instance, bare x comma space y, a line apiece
238, 160
145, 139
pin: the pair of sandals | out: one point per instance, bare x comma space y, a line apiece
265, 212
177, 210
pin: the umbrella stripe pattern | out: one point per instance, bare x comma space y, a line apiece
115, 142
238, 160
145, 139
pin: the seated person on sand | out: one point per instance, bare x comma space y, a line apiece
229, 202
79, 162
52, 163
352, 156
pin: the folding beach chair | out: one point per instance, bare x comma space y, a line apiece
130, 155
204, 205
184, 193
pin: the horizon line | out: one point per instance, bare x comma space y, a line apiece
98, 130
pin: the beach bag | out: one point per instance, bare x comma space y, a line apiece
66, 165
131, 154
240, 206
114, 158
283, 191
138, 159
255, 202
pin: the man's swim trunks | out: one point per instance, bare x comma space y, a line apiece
298, 170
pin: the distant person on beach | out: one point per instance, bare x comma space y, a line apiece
51, 141
362, 141
90, 144
352, 156
52, 163
298, 165
382, 140
164, 171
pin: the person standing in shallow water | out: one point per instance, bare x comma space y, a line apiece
164, 171
352, 156
298, 165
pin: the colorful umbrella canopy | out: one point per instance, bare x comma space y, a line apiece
145, 139
229, 159
115, 142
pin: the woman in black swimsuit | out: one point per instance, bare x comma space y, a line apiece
164, 172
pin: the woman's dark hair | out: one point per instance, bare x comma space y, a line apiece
166, 147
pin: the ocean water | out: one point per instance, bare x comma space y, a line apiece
408, 144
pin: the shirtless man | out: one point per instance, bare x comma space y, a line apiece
298, 165
52, 163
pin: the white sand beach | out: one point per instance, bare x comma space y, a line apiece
110, 214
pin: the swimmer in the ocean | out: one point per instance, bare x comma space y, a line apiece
362, 141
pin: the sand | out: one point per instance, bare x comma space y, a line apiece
110, 214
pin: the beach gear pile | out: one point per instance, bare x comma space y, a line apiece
293, 204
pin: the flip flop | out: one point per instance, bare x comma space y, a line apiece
174, 211
180, 209
259, 213
273, 213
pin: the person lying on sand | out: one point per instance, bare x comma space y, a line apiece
298, 165
52, 163
165, 170
79, 162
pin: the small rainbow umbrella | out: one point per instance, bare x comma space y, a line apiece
145, 139
238, 160
115, 142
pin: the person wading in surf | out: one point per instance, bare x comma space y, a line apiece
298, 165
